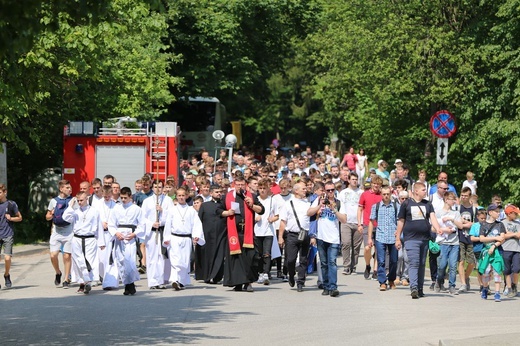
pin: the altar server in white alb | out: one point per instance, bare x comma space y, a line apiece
87, 228
125, 224
182, 228
107, 270
155, 208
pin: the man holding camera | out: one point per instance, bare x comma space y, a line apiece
329, 214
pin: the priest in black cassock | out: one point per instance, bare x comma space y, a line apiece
239, 207
209, 258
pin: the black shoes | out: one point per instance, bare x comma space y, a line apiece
57, 280
291, 280
334, 293
325, 292
129, 289
415, 294
8, 282
366, 274
88, 287
300, 288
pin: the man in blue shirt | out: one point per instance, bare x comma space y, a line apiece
8, 214
383, 217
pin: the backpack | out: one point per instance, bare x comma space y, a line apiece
61, 205
395, 209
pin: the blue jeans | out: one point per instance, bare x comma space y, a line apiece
381, 249
416, 251
328, 254
449, 255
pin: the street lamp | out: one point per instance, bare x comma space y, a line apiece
231, 140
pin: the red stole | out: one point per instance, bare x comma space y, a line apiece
233, 241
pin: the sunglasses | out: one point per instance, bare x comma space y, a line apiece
330, 190
272, 176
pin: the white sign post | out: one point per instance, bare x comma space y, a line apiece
442, 151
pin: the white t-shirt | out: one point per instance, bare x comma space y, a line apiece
264, 228
328, 223
472, 185
349, 199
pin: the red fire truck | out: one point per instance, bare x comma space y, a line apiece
127, 150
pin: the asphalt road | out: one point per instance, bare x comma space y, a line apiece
35, 312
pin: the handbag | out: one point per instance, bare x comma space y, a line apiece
304, 233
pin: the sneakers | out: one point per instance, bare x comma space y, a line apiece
405, 282
415, 294
249, 288
440, 288
374, 275
347, 271
261, 279
142, 270
266, 279
8, 282
484, 293
453, 290
88, 287
334, 293
497, 297
285, 278
392, 286
66, 284
57, 279
176, 285
463, 288
366, 274
510, 294
325, 292
382, 287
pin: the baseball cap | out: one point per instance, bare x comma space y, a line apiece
493, 206
512, 209
398, 161
380, 162
372, 169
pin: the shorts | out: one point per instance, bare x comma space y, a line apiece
511, 262
58, 241
466, 253
365, 235
7, 244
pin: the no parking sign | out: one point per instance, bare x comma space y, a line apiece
442, 124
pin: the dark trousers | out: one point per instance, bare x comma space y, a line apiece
263, 247
293, 248
278, 260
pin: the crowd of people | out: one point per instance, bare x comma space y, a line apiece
273, 218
